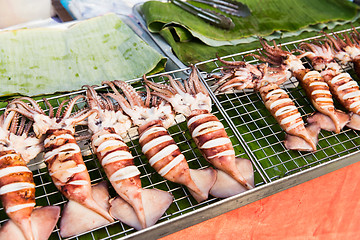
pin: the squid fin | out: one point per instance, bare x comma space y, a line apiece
25, 226
297, 143
204, 180
155, 203
77, 219
43, 221
354, 122
226, 186
327, 123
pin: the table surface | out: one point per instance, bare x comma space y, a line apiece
327, 207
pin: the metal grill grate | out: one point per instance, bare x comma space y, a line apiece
262, 136
254, 134
47, 194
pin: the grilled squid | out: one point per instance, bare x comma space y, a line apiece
341, 85
347, 49
193, 101
17, 188
153, 119
62, 154
109, 126
283, 109
239, 75
316, 88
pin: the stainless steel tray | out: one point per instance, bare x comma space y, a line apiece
262, 136
156, 38
185, 211
254, 134
183, 205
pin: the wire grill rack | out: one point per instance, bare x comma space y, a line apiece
253, 132
259, 131
47, 194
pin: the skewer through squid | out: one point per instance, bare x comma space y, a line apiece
192, 100
64, 160
17, 188
153, 119
137, 207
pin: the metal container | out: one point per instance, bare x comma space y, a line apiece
254, 134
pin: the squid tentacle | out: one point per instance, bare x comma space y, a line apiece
231, 63
221, 79
159, 91
107, 104
125, 105
93, 98
22, 128
175, 86
198, 87
133, 98
69, 107
165, 89
33, 103
14, 123
51, 108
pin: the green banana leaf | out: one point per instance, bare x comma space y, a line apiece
194, 40
266, 17
48, 60
196, 51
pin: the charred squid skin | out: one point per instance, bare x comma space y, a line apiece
105, 144
17, 190
67, 169
159, 147
356, 63
211, 138
283, 109
318, 91
166, 158
346, 90
118, 163
136, 207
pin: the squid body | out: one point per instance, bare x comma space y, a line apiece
137, 207
158, 146
192, 100
63, 158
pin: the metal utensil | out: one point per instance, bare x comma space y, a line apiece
61, 11
231, 7
212, 17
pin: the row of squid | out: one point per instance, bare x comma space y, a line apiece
27, 129
325, 82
